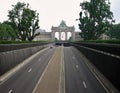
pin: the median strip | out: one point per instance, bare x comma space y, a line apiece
50, 81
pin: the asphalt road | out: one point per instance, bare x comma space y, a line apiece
78, 77
25, 80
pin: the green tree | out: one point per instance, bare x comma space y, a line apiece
95, 18
6, 32
114, 32
24, 20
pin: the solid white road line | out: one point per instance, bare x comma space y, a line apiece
10, 91
62, 74
84, 84
43, 73
30, 70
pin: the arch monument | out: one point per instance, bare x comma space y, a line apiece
63, 28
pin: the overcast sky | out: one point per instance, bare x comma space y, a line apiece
51, 12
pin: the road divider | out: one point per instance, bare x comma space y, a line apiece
51, 79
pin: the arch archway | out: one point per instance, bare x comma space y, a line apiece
63, 36
69, 34
64, 31
57, 35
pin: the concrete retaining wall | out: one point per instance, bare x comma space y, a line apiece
11, 58
108, 64
10, 47
110, 48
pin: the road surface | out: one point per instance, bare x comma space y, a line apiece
24, 80
58, 70
78, 78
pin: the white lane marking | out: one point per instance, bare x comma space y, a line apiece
77, 66
62, 74
10, 73
100, 82
73, 57
30, 70
39, 59
43, 73
10, 91
84, 84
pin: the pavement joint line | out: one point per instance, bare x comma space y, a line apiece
43, 73
8, 74
84, 84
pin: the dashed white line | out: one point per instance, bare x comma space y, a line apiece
84, 84
77, 66
30, 70
10, 91
73, 57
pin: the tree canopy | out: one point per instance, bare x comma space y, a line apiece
24, 21
114, 32
6, 32
95, 18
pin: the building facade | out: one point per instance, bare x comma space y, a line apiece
64, 33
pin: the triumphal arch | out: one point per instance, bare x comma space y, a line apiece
63, 32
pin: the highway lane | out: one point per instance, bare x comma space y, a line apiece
78, 77
24, 80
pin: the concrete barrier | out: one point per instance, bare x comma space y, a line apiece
107, 63
10, 47
11, 58
110, 48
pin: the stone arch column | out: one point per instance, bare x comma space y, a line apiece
65, 35
59, 35
73, 35
53, 35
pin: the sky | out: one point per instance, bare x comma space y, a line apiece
51, 12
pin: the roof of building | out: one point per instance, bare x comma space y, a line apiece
63, 24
